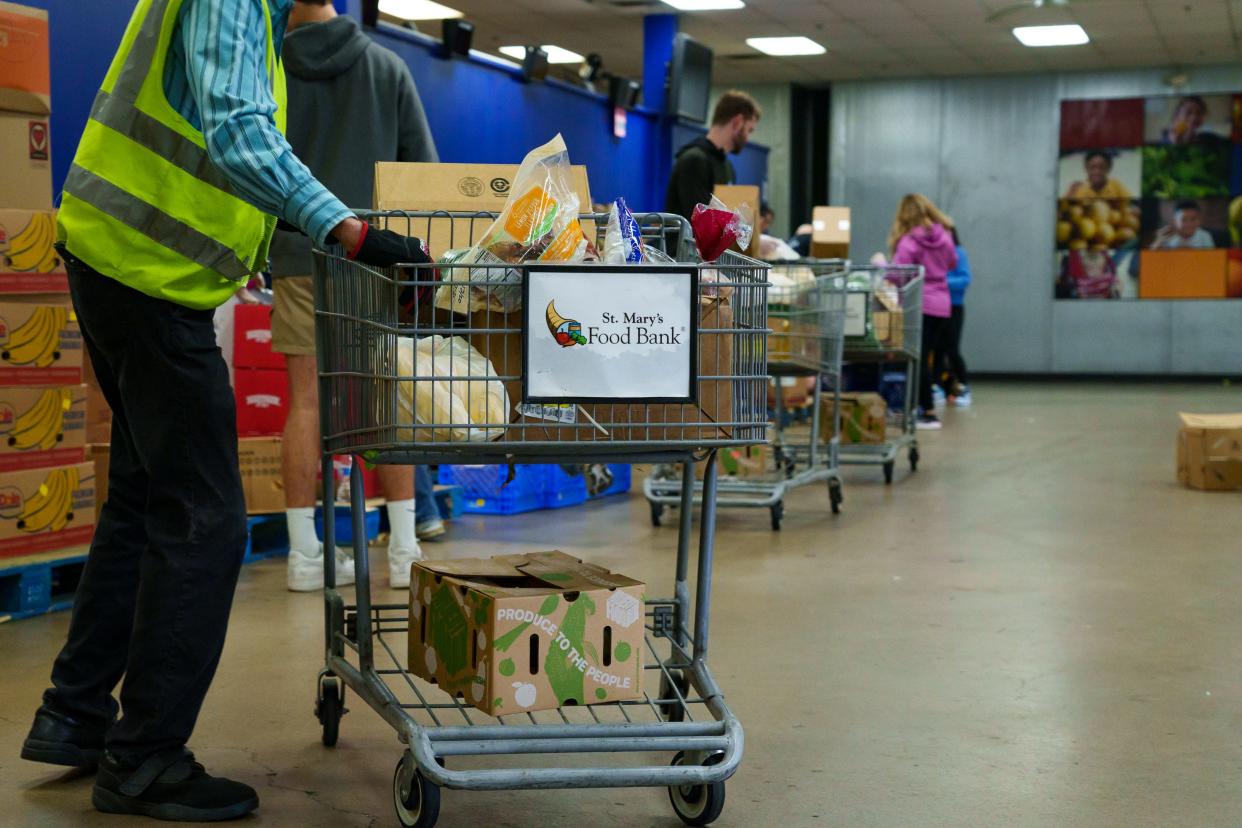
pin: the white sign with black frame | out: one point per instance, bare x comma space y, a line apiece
602, 334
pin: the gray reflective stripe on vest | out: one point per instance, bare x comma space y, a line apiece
122, 116
142, 54
156, 225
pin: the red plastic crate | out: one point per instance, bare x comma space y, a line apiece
262, 401
252, 338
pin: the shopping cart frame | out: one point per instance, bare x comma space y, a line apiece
815, 354
687, 716
908, 280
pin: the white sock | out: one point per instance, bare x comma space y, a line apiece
302, 530
401, 524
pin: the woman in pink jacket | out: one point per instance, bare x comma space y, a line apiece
920, 236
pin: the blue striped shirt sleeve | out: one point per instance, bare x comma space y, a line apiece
225, 47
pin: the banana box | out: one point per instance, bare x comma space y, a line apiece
520, 633
42, 510
42, 427
40, 344
29, 261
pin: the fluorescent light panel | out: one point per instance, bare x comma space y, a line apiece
785, 46
555, 54
705, 5
417, 10
1068, 35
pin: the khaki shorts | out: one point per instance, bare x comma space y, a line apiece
293, 315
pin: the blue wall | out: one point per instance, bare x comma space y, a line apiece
479, 110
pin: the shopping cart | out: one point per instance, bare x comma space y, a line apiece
884, 325
682, 711
806, 311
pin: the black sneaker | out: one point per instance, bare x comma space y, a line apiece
58, 739
170, 786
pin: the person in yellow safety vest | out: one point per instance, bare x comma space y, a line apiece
169, 206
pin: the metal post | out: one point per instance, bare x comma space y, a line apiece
329, 549
681, 589
362, 567
707, 539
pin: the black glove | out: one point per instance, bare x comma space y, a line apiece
384, 248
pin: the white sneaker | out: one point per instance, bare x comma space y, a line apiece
304, 572
430, 530
963, 399
399, 561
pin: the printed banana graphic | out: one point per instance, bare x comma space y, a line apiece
43, 426
31, 250
36, 342
50, 509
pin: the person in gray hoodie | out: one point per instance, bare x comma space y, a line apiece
351, 103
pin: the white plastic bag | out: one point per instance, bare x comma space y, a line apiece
465, 410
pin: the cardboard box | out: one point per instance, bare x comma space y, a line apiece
262, 397
100, 455
830, 233
29, 263
1209, 451
454, 188
520, 633
259, 460
252, 338
98, 412
710, 419
734, 196
40, 344
747, 463
864, 418
42, 427
25, 98
46, 509
889, 327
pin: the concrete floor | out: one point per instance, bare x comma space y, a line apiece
1040, 628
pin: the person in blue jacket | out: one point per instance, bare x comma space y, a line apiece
953, 364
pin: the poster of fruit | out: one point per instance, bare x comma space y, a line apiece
1150, 198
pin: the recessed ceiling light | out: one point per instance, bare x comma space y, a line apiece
555, 54
1068, 35
705, 5
417, 10
785, 46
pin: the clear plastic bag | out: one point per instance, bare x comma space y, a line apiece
623, 240
539, 223
469, 408
717, 228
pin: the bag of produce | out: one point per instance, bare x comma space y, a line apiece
717, 228
539, 223
469, 408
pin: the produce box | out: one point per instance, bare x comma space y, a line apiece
29, 263
98, 412
100, 455
252, 338
40, 344
259, 461
25, 98
864, 418
889, 327
748, 463
1209, 451
520, 633
42, 427
262, 397
46, 509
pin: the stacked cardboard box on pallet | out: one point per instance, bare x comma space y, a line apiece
47, 498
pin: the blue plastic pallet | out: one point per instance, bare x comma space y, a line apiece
268, 535
561, 489
487, 490
38, 587
622, 479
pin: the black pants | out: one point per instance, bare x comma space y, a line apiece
935, 329
951, 361
153, 604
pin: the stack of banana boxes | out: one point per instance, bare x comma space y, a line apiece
47, 485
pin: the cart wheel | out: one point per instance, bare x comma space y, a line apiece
914, 459
330, 707
656, 512
673, 711
698, 804
778, 514
417, 801
835, 496
888, 473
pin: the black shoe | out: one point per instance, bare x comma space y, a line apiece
58, 739
170, 786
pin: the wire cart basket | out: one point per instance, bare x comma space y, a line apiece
360, 332
806, 311
884, 325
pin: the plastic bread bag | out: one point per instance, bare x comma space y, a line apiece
623, 240
462, 405
717, 228
539, 222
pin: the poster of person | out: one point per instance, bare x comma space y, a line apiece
1149, 180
